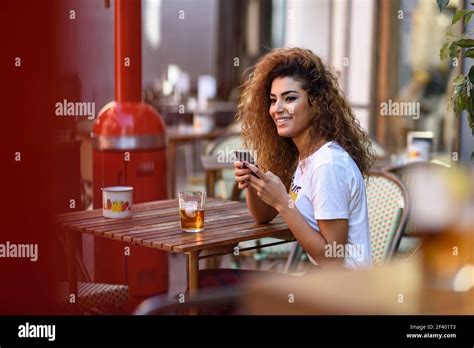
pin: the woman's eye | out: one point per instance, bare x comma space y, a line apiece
288, 99
272, 101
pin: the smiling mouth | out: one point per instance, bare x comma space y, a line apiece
282, 120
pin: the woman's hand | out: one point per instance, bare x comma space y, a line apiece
242, 175
269, 188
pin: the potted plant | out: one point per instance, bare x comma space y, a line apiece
463, 96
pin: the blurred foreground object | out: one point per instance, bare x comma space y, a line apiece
443, 206
440, 280
395, 288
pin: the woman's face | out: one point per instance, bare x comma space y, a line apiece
289, 107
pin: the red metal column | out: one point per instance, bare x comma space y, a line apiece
128, 51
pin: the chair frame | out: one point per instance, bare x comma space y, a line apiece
405, 211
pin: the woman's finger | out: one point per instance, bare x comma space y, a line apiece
240, 172
257, 171
243, 185
256, 180
239, 165
255, 185
243, 178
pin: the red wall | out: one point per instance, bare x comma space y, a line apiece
61, 59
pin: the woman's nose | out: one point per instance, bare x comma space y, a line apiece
279, 107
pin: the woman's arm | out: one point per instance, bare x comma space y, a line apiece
316, 244
261, 211
270, 189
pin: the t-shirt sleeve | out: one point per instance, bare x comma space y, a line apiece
330, 193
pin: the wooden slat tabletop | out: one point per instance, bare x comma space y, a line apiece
157, 225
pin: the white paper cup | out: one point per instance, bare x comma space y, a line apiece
117, 202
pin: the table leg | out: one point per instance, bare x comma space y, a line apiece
193, 277
72, 267
193, 272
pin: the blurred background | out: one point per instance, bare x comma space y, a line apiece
195, 54
194, 58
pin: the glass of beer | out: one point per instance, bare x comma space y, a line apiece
191, 210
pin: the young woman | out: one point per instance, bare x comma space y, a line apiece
311, 156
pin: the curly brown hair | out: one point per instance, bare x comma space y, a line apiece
332, 117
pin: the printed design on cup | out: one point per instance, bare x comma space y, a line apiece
116, 206
117, 201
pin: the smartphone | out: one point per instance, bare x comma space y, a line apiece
245, 155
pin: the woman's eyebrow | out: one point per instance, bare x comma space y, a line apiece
284, 93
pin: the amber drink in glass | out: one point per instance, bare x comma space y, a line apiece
191, 210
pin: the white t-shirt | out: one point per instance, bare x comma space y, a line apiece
328, 185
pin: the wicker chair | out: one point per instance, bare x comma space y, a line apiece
388, 208
92, 298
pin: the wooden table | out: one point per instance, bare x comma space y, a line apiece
157, 225
175, 136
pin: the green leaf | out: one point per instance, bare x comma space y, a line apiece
468, 16
465, 43
458, 15
461, 103
458, 89
459, 80
442, 4
471, 74
453, 50
469, 53
443, 53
